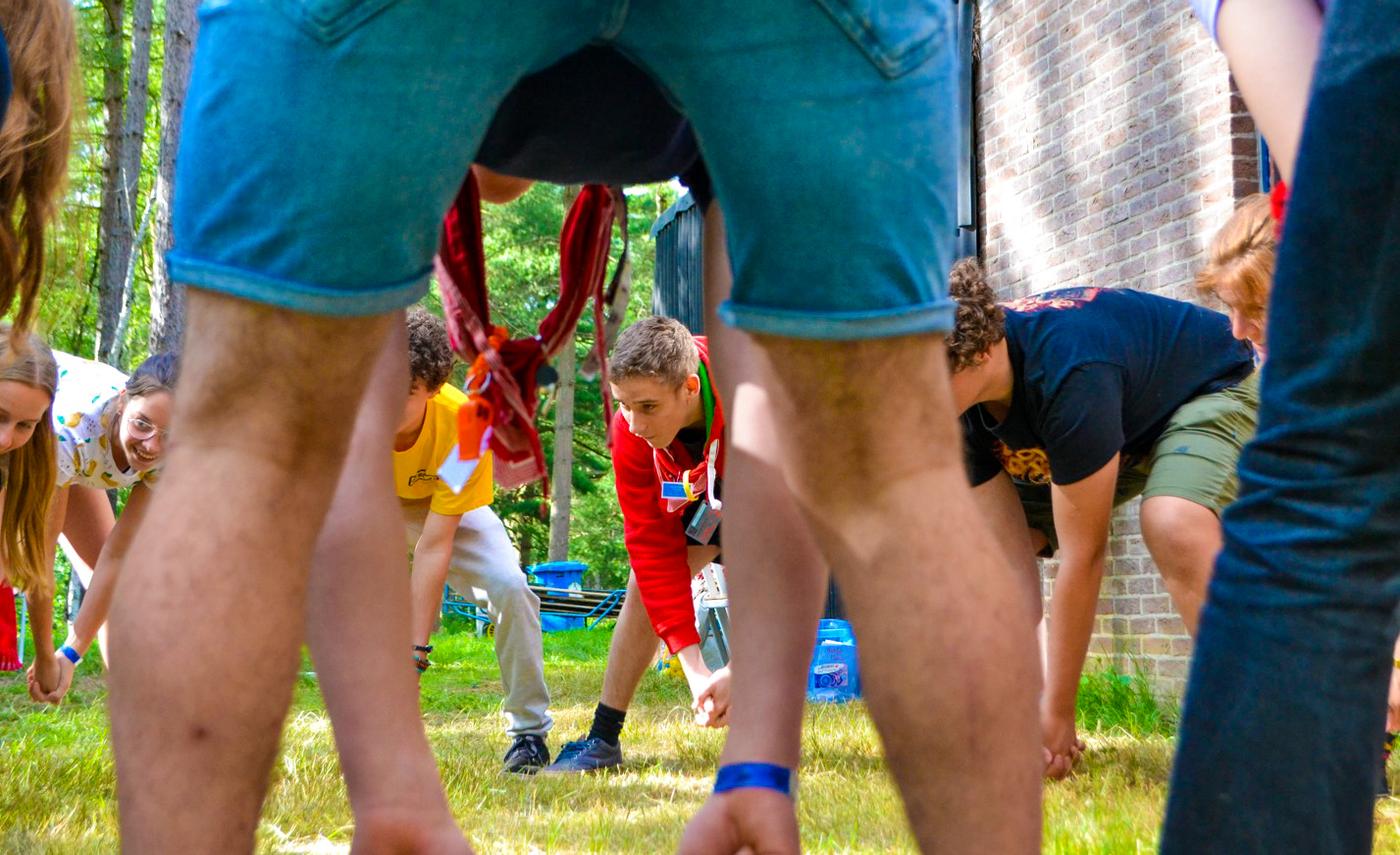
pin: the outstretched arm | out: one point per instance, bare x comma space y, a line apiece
431, 557
45, 674
1082, 511
98, 600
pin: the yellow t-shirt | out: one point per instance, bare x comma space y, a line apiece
415, 470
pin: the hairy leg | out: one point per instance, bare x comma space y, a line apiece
207, 631
873, 455
1184, 539
631, 652
357, 625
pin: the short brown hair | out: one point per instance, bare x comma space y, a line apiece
655, 347
429, 351
980, 322
1241, 258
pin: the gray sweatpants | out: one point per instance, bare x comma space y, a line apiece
485, 569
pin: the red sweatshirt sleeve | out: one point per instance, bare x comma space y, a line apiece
656, 545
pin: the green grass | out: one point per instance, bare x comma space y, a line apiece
58, 791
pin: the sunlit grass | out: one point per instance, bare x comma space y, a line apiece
58, 790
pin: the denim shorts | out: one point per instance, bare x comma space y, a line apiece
324, 139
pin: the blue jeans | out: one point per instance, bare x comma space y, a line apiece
1285, 707
324, 139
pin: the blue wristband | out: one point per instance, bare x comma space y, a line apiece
70, 654
767, 776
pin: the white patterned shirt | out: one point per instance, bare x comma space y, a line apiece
83, 412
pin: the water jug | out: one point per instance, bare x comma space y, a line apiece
835, 673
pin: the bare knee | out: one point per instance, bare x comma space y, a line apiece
1182, 536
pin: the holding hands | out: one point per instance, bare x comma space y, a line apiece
1061, 745
50, 677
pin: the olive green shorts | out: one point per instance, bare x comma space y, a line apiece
1195, 458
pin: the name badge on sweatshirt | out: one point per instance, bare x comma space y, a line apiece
455, 472
675, 490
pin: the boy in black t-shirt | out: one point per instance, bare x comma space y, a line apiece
1075, 401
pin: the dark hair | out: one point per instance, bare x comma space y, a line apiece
429, 351
980, 322
158, 373
655, 347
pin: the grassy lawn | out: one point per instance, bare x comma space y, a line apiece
58, 791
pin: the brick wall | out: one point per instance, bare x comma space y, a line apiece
1111, 147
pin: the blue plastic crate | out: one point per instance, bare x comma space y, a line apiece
555, 622
560, 574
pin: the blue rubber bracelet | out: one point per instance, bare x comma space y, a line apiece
70, 654
767, 776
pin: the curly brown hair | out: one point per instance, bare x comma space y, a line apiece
429, 352
33, 145
980, 322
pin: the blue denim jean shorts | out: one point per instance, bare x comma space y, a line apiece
324, 139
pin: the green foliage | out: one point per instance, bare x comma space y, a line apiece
1110, 701
68, 313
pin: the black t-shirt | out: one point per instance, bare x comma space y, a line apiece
1098, 371
594, 117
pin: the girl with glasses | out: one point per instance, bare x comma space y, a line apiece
111, 433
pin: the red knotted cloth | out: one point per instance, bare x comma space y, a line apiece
512, 365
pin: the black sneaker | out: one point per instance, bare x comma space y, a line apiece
527, 755
585, 755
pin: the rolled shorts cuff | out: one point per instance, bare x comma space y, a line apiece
297, 296
935, 317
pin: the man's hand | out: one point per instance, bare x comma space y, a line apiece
1062, 746
697, 676
65, 681
751, 821
712, 704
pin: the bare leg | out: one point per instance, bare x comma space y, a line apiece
631, 652
358, 629
925, 593
207, 632
1184, 539
87, 523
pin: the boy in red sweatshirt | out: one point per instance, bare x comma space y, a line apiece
667, 440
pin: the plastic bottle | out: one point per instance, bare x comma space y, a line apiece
835, 673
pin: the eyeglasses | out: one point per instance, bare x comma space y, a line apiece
142, 430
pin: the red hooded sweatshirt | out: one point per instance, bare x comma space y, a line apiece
653, 531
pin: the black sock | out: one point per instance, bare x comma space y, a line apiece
607, 724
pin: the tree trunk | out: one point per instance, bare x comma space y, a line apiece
168, 298
113, 91
120, 242
129, 287
562, 477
